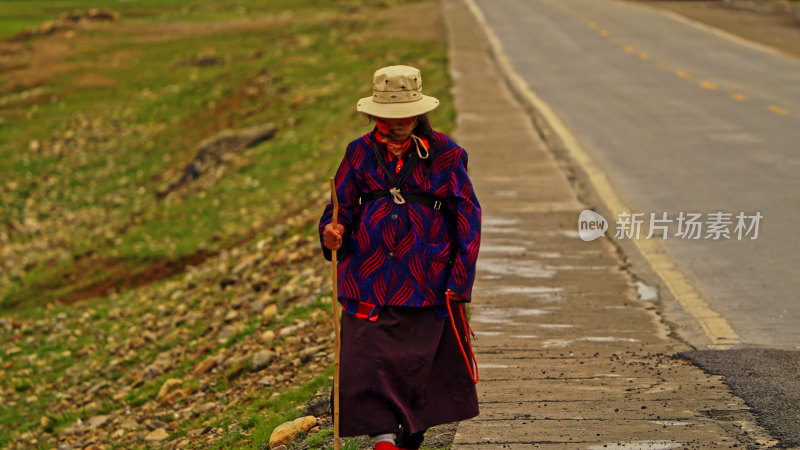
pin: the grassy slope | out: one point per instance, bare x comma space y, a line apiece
105, 149
115, 114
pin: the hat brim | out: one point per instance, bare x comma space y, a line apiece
398, 110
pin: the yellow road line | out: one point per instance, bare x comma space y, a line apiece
684, 75
713, 325
604, 33
663, 65
738, 96
778, 110
644, 56
709, 85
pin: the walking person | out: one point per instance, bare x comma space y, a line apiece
407, 238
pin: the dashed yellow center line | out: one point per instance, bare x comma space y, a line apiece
709, 85
630, 49
778, 110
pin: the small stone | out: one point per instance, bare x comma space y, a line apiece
157, 435
205, 366
129, 424
267, 337
149, 336
226, 332
269, 312
235, 361
97, 387
168, 386
155, 424
307, 354
242, 300
257, 306
262, 359
98, 421
292, 329
206, 407
152, 372
286, 433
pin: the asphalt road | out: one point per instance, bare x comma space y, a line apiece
681, 119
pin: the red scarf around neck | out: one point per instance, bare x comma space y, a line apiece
384, 129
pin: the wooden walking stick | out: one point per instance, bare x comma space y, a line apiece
335, 299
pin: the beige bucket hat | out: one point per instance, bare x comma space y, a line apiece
396, 94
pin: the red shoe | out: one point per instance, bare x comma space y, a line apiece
385, 446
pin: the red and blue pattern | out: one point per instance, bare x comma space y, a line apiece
404, 254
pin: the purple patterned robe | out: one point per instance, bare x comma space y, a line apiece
404, 254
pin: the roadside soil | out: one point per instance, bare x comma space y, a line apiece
775, 24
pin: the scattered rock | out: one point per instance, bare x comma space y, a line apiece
268, 380
168, 386
101, 385
262, 359
205, 366
129, 424
152, 372
98, 421
269, 312
292, 329
287, 432
320, 405
267, 337
157, 435
307, 354
242, 300
155, 424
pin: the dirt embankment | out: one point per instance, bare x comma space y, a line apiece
773, 23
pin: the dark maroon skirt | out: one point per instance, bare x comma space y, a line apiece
405, 369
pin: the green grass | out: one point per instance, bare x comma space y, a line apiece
144, 128
127, 116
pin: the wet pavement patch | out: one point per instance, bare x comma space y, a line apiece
766, 379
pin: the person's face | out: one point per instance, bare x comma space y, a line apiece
399, 129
